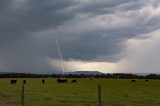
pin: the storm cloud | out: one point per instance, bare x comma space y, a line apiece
88, 31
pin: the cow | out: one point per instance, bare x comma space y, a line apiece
90, 79
133, 81
13, 81
146, 80
74, 81
43, 81
24, 81
62, 80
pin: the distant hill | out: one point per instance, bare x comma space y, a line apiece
84, 73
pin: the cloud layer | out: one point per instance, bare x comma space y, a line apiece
97, 31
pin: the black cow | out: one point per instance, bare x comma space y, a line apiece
43, 81
146, 80
62, 80
13, 81
24, 81
133, 81
74, 81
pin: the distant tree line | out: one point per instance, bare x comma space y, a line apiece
114, 76
23, 75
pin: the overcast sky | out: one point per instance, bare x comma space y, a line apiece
92, 35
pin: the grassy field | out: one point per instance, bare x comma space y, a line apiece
115, 92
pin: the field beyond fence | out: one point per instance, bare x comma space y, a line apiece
114, 92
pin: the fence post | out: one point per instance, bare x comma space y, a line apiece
22, 96
99, 95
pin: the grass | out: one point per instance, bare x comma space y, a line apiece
115, 92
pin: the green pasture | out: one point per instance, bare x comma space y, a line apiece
115, 92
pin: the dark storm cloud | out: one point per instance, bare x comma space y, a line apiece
109, 42
18, 19
87, 30
89, 47
106, 6
32, 16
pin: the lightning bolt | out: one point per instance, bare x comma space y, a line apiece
59, 53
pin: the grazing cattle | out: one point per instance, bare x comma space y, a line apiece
133, 81
13, 81
90, 79
43, 81
24, 81
62, 80
74, 81
146, 80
